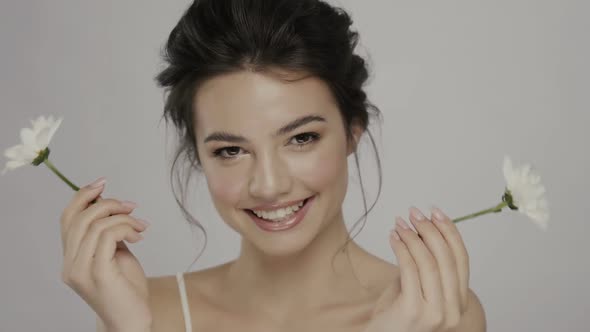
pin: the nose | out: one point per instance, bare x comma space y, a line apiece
270, 178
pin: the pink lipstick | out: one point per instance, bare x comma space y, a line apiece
283, 225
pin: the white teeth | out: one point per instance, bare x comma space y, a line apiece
279, 213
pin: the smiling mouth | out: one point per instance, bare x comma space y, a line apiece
253, 214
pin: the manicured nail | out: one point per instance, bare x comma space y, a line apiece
401, 223
98, 182
417, 214
395, 235
129, 204
437, 214
144, 222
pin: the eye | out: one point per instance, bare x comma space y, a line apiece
306, 138
227, 152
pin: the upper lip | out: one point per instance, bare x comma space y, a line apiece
270, 207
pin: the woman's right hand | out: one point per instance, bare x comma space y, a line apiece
98, 266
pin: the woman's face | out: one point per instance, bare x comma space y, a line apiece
255, 154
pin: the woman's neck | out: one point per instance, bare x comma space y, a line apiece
305, 280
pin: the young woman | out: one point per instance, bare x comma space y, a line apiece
268, 100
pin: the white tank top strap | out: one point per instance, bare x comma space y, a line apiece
184, 301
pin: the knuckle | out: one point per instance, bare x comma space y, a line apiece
452, 320
436, 319
118, 205
130, 221
413, 314
115, 232
98, 277
65, 277
137, 224
66, 215
108, 234
72, 280
110, 203
81, 194
96, 228
75, 279
111, 227
434, 316
432, 268
130, 229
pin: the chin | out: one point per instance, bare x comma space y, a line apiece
288, 247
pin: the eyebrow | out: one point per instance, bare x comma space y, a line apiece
223, 136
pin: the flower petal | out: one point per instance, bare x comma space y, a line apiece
508, 172
33, 141
13, 164
527, 191
45, 128
54, 126
20, 153
27, 136
43, 137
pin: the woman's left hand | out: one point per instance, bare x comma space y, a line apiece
432, 292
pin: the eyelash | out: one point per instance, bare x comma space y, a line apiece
314, 137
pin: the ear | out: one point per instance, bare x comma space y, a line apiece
357, 132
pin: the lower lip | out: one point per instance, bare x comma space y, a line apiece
295, 219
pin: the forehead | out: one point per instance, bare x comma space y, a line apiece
246, 98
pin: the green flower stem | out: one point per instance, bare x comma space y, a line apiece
61, 176
495, 209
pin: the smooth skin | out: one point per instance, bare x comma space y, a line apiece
434, 280
99, 266
280, 281
285, 282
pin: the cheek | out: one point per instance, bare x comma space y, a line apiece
324, 168
224, 185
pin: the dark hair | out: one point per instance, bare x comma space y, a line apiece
220, 36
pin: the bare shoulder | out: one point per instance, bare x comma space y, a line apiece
165, 301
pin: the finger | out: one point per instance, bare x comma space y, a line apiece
89, 243
102, 209
455, 242
409, 277
437, 244
426, 263
103, 263
120, 244
79, 202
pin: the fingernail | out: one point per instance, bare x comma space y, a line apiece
417, 214
129, 204
437, 214
98, 182
144, 222
395, 235
401, 223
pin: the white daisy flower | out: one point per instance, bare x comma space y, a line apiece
525, 192
34, 142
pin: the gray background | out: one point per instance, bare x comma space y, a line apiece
461, 83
